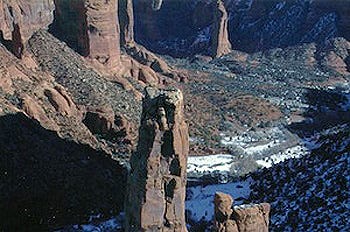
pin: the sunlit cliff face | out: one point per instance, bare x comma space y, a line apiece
157, 4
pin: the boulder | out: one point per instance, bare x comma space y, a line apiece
157, 179
61, 101
223, 211
252, 217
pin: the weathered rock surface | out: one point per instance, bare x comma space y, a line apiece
91, 27
220, 43
223, 211
157, 180
19, 19
61, 101
254, 217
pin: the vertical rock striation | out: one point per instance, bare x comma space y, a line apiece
91, 27
220, 43
19, 19
254, 217
157, 180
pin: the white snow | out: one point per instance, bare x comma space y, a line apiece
209, 163
96, 225
200, 199
293, 152
259, 148
111, 224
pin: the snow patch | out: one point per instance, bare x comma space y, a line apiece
200, 205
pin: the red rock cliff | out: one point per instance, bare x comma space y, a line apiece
19, 19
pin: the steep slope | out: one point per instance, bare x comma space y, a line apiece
311, 193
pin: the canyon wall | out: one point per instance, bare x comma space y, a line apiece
19, 19
157, 180
184, 28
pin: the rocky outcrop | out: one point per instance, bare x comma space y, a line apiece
91, 27
103, 121
19, 19
254, 217
220, 43
60, 100
153, 62
157, 179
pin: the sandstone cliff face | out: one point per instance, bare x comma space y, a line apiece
157, 180
19, 19
240, 218
91, 27
220, 43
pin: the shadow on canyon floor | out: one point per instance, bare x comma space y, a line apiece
47, 182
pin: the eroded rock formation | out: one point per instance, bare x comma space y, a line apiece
19, 19
254, 217
157, 180
91, 27
220, 43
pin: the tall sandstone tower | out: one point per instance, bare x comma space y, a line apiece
157, 180
91, 27
220, 43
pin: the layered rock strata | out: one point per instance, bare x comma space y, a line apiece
157, 179
19, 19
254, 217
220, 43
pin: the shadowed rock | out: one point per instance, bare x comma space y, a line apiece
157, 180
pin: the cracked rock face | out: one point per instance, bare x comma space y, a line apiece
157, 179
253, 217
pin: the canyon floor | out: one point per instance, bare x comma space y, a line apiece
266, 122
